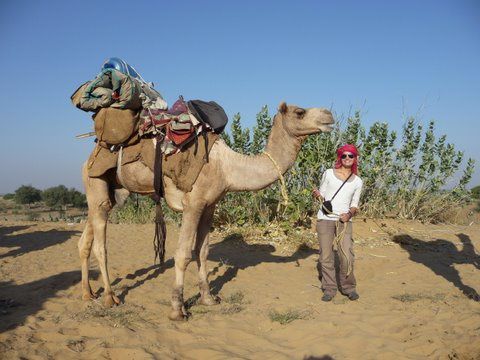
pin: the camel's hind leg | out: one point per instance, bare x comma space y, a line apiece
201, 252
84, 248
100, 201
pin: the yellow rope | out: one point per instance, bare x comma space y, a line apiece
283, 187
339, 236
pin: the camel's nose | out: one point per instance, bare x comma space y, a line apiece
328, 116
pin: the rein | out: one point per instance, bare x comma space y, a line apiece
339, 235
283, 187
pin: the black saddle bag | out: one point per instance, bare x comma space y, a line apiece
209, 113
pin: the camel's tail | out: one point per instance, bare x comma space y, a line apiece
160, 235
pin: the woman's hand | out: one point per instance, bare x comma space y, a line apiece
316, 194
345, 217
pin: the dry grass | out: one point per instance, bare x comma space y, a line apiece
235, 298
406, 298
287, 316
124, 315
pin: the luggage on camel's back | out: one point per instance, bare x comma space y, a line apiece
127, 108
116, 96
118, 85
116, 126
209, 113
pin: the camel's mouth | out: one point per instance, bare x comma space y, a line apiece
326, 127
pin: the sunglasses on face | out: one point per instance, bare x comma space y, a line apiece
351, 156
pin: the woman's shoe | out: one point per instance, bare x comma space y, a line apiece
327, 297
353, 296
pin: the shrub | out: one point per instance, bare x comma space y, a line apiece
27, 194
403, 176
136, 210
475, 192
60, 196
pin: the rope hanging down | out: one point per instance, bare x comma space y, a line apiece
339, 236
283, 186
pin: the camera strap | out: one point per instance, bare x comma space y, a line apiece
349, 176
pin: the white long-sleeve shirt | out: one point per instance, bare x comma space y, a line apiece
347, 197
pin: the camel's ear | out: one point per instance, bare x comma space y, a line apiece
282, 108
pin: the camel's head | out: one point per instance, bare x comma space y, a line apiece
301, 122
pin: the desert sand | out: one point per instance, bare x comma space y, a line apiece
419, 287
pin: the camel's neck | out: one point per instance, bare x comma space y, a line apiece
251, 173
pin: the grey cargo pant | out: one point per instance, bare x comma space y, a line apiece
326, 262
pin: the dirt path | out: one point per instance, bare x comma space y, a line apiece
416, 298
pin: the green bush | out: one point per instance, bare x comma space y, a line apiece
475, 192
403, 177
27, 194
60, 196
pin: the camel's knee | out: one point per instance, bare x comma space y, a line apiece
183, 258
99, 209
99, 249
85, 243
84, 251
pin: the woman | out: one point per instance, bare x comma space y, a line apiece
341, 186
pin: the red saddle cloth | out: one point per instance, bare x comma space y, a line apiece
178, 137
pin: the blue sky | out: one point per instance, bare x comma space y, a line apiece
388, 59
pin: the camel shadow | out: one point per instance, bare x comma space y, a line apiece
17, 302
34, 241
153, 271
234, 252
6, 230
440, 256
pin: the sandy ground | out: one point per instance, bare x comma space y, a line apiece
418, 286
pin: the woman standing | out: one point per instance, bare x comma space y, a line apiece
340, 190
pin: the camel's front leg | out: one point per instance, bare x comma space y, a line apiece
201, 252
183, 256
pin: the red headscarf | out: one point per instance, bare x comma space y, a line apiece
347, 148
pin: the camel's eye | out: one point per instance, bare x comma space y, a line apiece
300, 112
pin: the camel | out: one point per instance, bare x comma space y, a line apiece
225, 171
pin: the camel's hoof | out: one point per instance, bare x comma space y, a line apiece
111, 300
87, 296
178, 315
210, 300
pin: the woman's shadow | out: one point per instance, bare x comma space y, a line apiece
440, 256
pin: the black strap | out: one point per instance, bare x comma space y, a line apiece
349, 176
205, 138
157, 172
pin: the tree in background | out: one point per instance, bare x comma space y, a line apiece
77, 199
476, 192
27, 194
403, 176
240, 138
9, 196
261, 131
60, 196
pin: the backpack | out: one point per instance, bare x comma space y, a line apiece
116, 126
209, 113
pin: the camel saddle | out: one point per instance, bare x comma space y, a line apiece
183, 167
